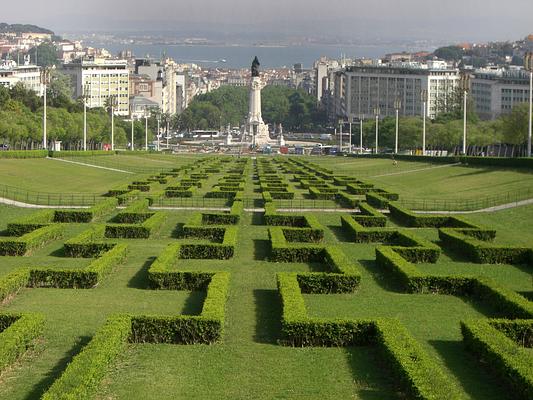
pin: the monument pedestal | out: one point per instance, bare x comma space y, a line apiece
255, 126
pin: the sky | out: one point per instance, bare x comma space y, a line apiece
453, 20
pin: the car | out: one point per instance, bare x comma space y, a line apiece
4, 146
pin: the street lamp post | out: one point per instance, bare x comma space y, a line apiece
132, 131
340, 134
45, 80
464, 86
376, 113
530, 112
397, 106
158, 130
350, 137
85, 96
529, 67
145, 132
362, 118
424, 111
113, 101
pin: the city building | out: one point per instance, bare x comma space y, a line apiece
359, 90
98, 79
497, 91
321, 69
163, 74
30, 75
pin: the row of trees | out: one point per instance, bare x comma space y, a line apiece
294, 109
446, 132
21, 113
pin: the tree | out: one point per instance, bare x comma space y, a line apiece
515, 124
59, 91
449, 53
44, 55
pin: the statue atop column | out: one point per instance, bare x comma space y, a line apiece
255, 126
255, 67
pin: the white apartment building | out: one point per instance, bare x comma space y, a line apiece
497, 91
29, 75
98, 79
359, 90
164, 73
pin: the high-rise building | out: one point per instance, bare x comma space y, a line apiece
359, 90
321, 68
99, 79
497, 91
164, 73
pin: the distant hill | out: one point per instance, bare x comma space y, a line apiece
23, 28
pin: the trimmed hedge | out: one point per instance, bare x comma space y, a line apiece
501, 355
136, 231
80, 153
411, 219
24, 154
17, 333
79, 278
24, 244
83, 375
481, 251
416, 371
30, 223
215, 251
368, 216
407, 275
89, 243
11, 283
205, 328
84, 216
231, 218
136, 212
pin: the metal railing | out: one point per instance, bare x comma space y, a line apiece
48, 199
466, 204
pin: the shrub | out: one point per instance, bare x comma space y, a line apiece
88, 243
81, 378
84, 216
79, 278
500, 354
24, 154
136, 231
482, 252
17, 333
24, 244
30, 223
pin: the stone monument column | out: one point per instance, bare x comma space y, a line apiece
255, 126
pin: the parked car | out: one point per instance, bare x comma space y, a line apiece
4, 146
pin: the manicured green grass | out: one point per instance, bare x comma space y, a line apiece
249, 362
457, 182
50, 176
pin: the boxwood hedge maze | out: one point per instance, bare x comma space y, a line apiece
135, 298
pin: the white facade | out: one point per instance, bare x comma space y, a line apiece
496, 92
255, 126
29, 75
99, 79
359, 90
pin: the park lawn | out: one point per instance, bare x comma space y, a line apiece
249, 362
457, 182
139, 163
365, 166
52, 176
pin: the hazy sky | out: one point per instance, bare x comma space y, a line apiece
433, 19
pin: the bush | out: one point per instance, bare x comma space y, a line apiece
501, 354
79, 278
136, 231
24, 154
84, 216
17, 333
481, 251
24, 244
88, 243
74, 153
30, 223
82, 377
11, 283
